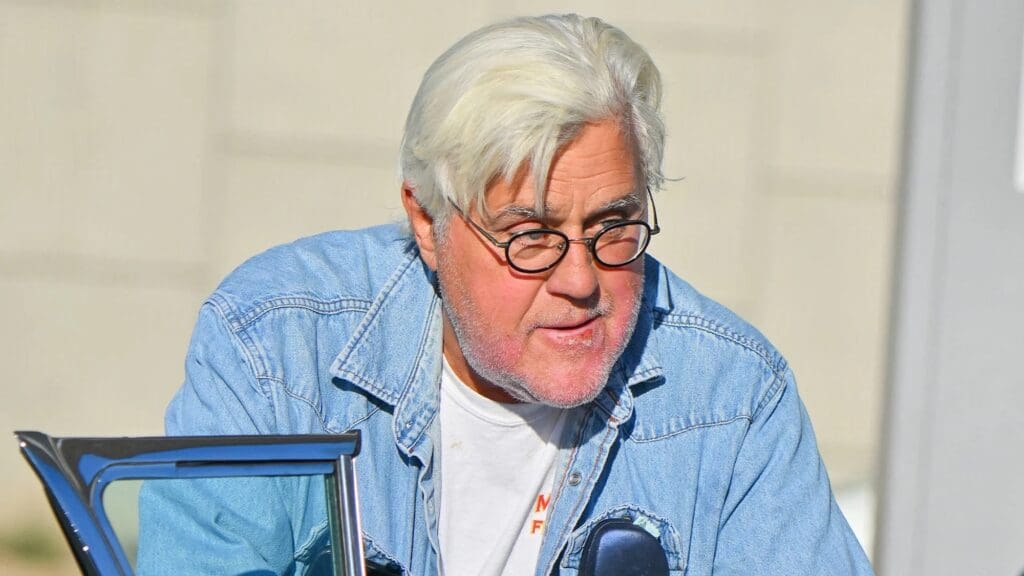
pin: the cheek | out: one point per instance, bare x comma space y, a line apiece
501, 300
624, 290
509, 303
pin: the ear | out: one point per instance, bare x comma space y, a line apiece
422, 226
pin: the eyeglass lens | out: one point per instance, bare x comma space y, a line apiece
614, 246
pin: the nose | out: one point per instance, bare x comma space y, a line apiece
575, 277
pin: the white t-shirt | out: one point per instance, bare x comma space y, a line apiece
497, 469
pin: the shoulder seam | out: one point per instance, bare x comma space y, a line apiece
775, 361
245, 347
774, 390
335, 306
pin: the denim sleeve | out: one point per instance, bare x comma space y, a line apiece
220, 394
221, 525
780, 517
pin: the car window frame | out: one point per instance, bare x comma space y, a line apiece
76, 470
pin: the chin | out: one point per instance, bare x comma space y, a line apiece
566, 380
566, 396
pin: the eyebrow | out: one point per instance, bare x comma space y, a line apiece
629, 202
632, 201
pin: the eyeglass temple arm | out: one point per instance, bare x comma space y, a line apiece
654, 212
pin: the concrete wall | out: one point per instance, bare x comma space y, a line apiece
952, 499
147, 147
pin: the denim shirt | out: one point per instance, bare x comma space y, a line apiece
699, 436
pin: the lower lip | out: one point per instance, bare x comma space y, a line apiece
572, 335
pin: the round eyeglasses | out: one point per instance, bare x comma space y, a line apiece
540, 249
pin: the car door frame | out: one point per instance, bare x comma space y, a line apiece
75, 471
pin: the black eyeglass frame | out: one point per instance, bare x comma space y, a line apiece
590, 241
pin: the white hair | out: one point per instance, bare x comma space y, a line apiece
509, 96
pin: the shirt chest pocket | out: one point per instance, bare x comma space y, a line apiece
627, 532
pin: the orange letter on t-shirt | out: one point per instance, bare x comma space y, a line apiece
542, 503
536, 525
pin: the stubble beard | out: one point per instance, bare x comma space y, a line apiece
496, 363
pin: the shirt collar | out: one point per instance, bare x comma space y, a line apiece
398, 341
641, 360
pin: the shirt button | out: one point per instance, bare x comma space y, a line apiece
575, 478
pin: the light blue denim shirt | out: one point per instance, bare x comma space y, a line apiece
699, 437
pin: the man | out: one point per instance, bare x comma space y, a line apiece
520, 370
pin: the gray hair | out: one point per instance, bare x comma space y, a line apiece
510, 95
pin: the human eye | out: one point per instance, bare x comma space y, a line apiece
615, 230
534, 248
606, 224
609, 222
534, 236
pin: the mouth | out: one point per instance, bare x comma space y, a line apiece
572, 324
569, 328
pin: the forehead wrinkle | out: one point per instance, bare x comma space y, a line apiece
584, 169
584, 156
630, 201
590, 173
